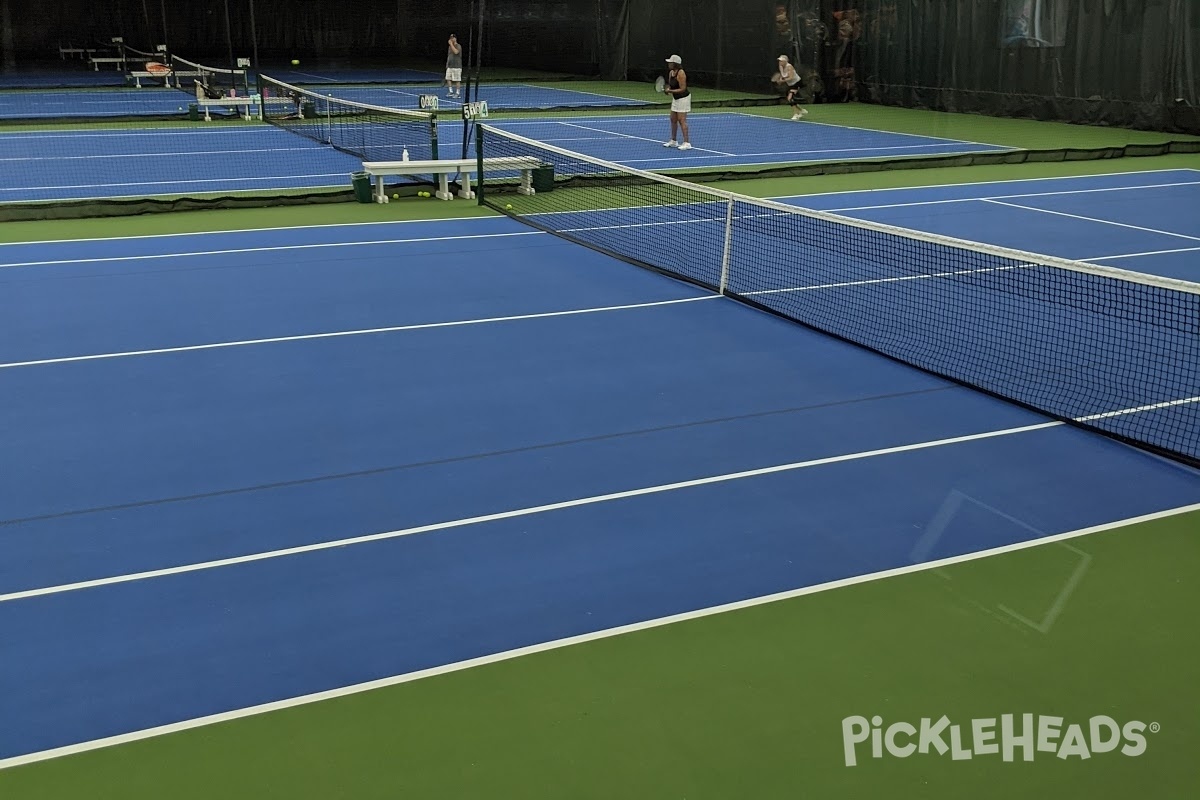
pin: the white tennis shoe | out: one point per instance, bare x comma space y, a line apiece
685, 146
670, 144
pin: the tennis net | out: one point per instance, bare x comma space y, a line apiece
371, 132
186, 73
1114, 351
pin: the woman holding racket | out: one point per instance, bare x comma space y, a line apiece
675, 85
789, 79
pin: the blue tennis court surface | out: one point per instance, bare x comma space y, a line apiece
248, 466
151, 100
161, 159
147, 101
192, 161
333, 74
50, 79
729, 139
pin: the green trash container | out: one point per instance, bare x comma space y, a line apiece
194, 112
362, 186
543, 178
308, 109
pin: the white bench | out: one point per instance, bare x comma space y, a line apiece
63, 52
246, 103
137, 77
444, 168
98, 60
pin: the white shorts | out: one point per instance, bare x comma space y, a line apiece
682, 104
454, 75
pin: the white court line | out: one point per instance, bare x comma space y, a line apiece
985, 183
57, 158
520, 512
876, 281
631, 100
639, 138
1093, 219
325, 187
310, 75
268, 249
608, 633
1140, 255
1124, 412
682, 173
342, 334
1014, 196
998, 147
255, 179
241, 130
791, 153
490, 218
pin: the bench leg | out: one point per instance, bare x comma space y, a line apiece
380, 191
465, 192
526, 186
443, 192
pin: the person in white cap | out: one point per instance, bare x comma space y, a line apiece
681, 102
791, 82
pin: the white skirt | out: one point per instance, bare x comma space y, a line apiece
682, 104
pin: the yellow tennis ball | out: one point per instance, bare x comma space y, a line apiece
295, 62
508, 206
395, 197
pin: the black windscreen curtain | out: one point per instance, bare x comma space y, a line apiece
723, 43
1123, 62
1118, 62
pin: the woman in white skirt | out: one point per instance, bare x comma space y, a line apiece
681, 102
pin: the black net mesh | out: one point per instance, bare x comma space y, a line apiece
373, 133
1114, 351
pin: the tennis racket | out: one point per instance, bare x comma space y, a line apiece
660, 85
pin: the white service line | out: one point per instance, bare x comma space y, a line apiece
520, 512
267, 249
342, 334
639, 138
1092, 219
1140, 255
1007, 196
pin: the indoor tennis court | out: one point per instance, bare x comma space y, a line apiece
851, 455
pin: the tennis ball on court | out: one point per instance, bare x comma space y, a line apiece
295, 62
395, 197
508, 206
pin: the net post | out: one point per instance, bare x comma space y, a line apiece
727, 248
479, 163
433, 134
